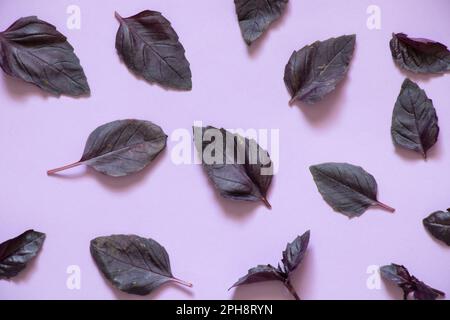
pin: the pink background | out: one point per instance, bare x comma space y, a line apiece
213, 241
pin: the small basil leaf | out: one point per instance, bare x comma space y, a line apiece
400, 276
438, 224
348, 189
121, 147
238, 167
419, 55
150, 48
260, 273
133, 264
316, 69
295, 251
17, 252
34, 51
255, 16
414, 120
425, 292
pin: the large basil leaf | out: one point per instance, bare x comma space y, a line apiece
419, 55
414, 120
133, 264
34, 51
348, 189
400, 276
316, 69
295, 251
255, 16
438, 224
121, 147
150, 48
17, 252
238, 167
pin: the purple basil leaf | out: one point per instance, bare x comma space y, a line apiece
419, 55
292, 257
133, 264
17, 252
348, 189
295, 251
121, 147
255, 16
238, 167
397, 274
150, 48
34, 51
424, 292
316, 69
414, 120
260, 273
400, 276
438, 224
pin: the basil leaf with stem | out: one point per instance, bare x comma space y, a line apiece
34, 51
121, 147
291, 258
133, 264
347, 188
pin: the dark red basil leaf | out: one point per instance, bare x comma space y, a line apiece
239, 168
260, 273
133, 264
292, 257
348, 189
414, 120
150, 48
17, 252
396, 273
316, 69
419, 55
400, 276
438, 224
255, 16
121, 147
295, 251
34, 51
